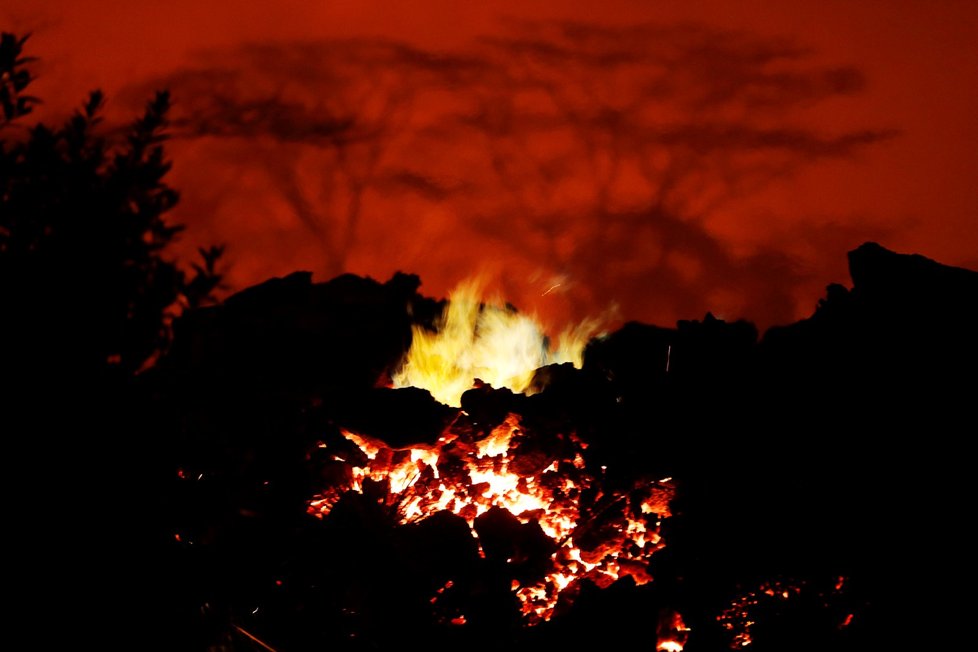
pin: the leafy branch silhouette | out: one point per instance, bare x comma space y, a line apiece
85, 280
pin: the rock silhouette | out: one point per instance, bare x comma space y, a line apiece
822, 481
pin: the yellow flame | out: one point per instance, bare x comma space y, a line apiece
492, 343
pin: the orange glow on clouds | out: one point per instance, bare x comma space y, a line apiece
629, 160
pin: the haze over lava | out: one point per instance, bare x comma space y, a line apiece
653, 161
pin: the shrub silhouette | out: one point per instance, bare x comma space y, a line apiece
85, 283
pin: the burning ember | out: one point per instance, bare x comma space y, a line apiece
671, 632
560, 506
529, 497
777, 597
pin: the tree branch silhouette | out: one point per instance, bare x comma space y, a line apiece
563, 145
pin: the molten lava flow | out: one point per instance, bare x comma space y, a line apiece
594, 535
531, 493
495, 344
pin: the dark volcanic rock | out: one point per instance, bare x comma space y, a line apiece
803, 453
906, 319
836, 446
401, 417
858, 414
292, 333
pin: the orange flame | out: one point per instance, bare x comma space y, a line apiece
489, 342
596, 536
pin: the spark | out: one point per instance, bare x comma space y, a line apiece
254, 638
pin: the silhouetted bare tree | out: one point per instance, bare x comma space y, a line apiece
582, 151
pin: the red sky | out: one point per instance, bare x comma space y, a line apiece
631, 155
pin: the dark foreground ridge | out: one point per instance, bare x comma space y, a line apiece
822, 473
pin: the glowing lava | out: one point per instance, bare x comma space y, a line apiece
774, 597
493, 475
469, 476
